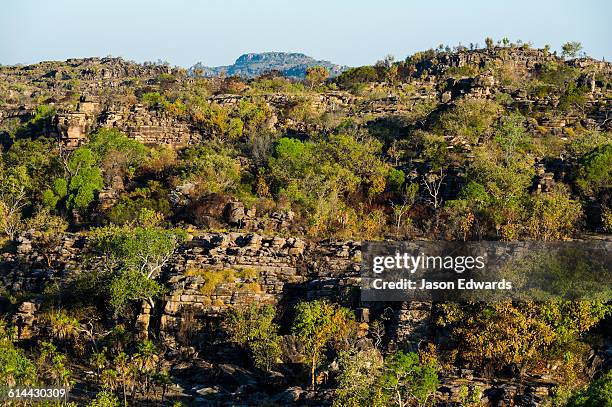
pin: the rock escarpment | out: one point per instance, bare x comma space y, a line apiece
104, 92
270, 269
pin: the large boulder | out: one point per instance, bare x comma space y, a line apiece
208, 211
289, 396
234, 213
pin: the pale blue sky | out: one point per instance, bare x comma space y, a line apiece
352, 32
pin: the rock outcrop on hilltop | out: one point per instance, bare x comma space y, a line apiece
103, 92
293, 65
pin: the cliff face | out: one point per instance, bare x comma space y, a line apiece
264, 269
258, 269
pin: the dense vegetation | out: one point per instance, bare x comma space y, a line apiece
470, 168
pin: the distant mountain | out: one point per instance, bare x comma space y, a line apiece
251, 65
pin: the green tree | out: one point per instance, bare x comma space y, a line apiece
506, 172
466, 214
586, 141
34, 160
146, 361
52, 365
571, 49
511, 136
395, 179
595, 172
293, 155
144, 249
407, 198
498, 334
316, 325
104, 398
217, 121
475, 194
58, 191
434, 149
83, 180
310, 180
469, 119
358, 380
318, 176
552, 215
406, 380
153, 100
117, 155
574, 98
598, 393
255, 115
356, 76
360, 156
15, 368
316, 75
214, 169
130, 285
253, 327
13, 198
25, 170
136, 256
